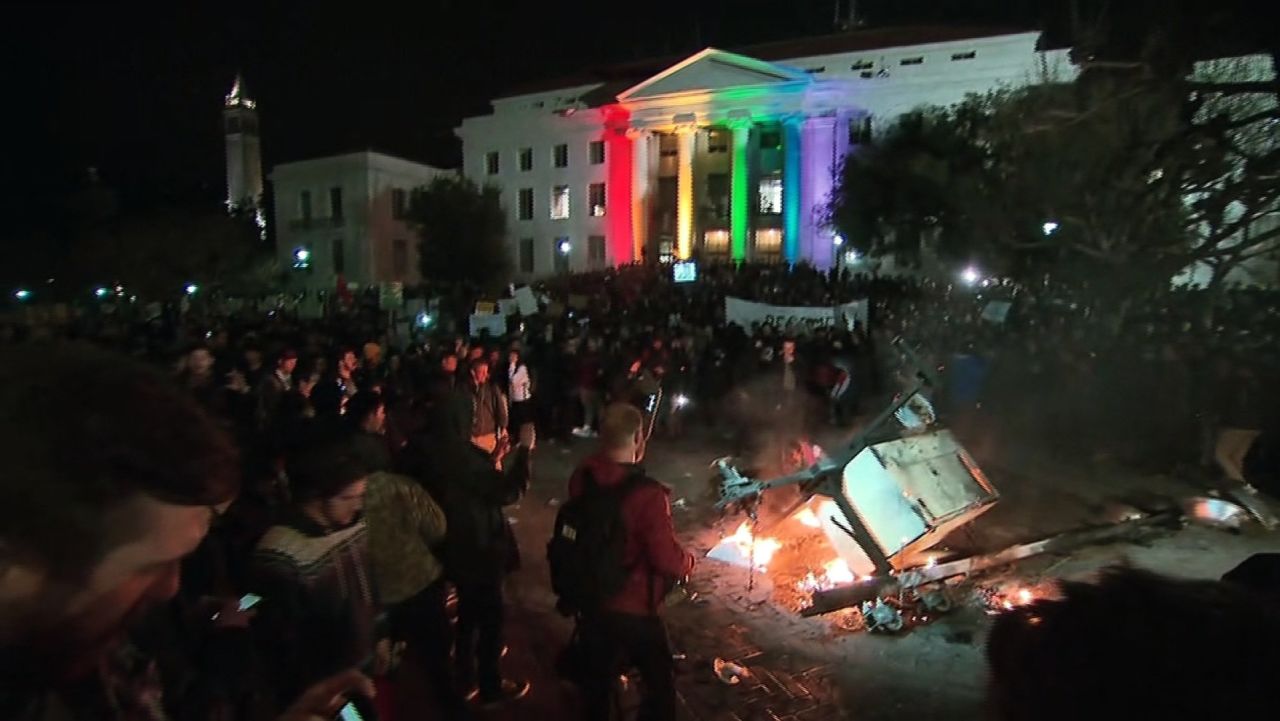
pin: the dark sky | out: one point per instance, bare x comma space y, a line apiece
136, 91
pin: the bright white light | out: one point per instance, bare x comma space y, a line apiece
681, 400
102, 292
192, 288
22, 294
302, 255
838, 240
564, 247
424, 320
1050, 227
970, 275
852, 256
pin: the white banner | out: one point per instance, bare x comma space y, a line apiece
801, 318
526, 301
508, 306
495, 323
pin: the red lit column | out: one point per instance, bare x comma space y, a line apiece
619, 157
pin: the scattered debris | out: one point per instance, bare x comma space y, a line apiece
729, 672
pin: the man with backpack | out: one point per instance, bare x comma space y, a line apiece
614, 558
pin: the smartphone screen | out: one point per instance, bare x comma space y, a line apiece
349, 712
249, 600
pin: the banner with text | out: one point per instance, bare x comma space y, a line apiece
800, 318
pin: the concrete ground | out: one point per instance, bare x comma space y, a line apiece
809, 668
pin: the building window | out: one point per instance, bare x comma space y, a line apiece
769, 240
560, 202
526, 255
815, 71
595, 199
860, 130
560, 156
718, 195
595, 251
335, 203
596, 152
965, 56
770, 140
526, 159
492, 163
399, 258
304, 205
560, 250
399, 203
917, 60
339, 256
863, 65
771, 194
718, 141
716, 242
668, 145
524, 210
866, 74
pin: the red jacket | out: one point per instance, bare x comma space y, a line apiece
653, 553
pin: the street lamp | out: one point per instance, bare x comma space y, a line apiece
838, 240
301, 258
970, 275
192, 288
564, 247
22, 294
1050, 227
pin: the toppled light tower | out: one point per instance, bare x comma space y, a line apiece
900, 486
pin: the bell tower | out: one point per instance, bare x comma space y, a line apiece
244, 157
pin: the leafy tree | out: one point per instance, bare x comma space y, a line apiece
462, 230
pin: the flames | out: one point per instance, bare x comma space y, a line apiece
808, 518
834, 573
759, 550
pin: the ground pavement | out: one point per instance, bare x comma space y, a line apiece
803, 669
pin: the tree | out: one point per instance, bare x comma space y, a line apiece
462, 232
155, 254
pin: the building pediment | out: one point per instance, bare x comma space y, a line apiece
712, 70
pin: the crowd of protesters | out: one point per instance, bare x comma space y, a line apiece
375, 468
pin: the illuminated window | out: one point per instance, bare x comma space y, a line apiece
716, 242
526, 159
560, 156
769, 240
718, 141
526, 255
524, 204
596, 152
771, 194
399, 257
560, 202
595, 199
595, 251
492, 163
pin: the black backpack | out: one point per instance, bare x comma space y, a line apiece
588, 544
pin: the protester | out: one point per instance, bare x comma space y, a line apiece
628, 626
272, 388
520, 391
479, 547
320, 611
93, 540
489, 410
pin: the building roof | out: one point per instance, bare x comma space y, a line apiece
625, 75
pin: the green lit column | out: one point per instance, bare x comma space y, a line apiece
739, 194
791, 172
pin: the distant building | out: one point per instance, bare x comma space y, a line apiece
720, 155
343, 215
244, 151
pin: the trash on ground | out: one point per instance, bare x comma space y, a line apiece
729, 672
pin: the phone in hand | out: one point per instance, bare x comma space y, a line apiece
249, 600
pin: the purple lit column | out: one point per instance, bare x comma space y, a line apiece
815, 190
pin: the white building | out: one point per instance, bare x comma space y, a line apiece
720, 155
343, 215
244, 150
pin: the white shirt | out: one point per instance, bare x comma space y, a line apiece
520, 384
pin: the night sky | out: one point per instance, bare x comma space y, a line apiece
136, 91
